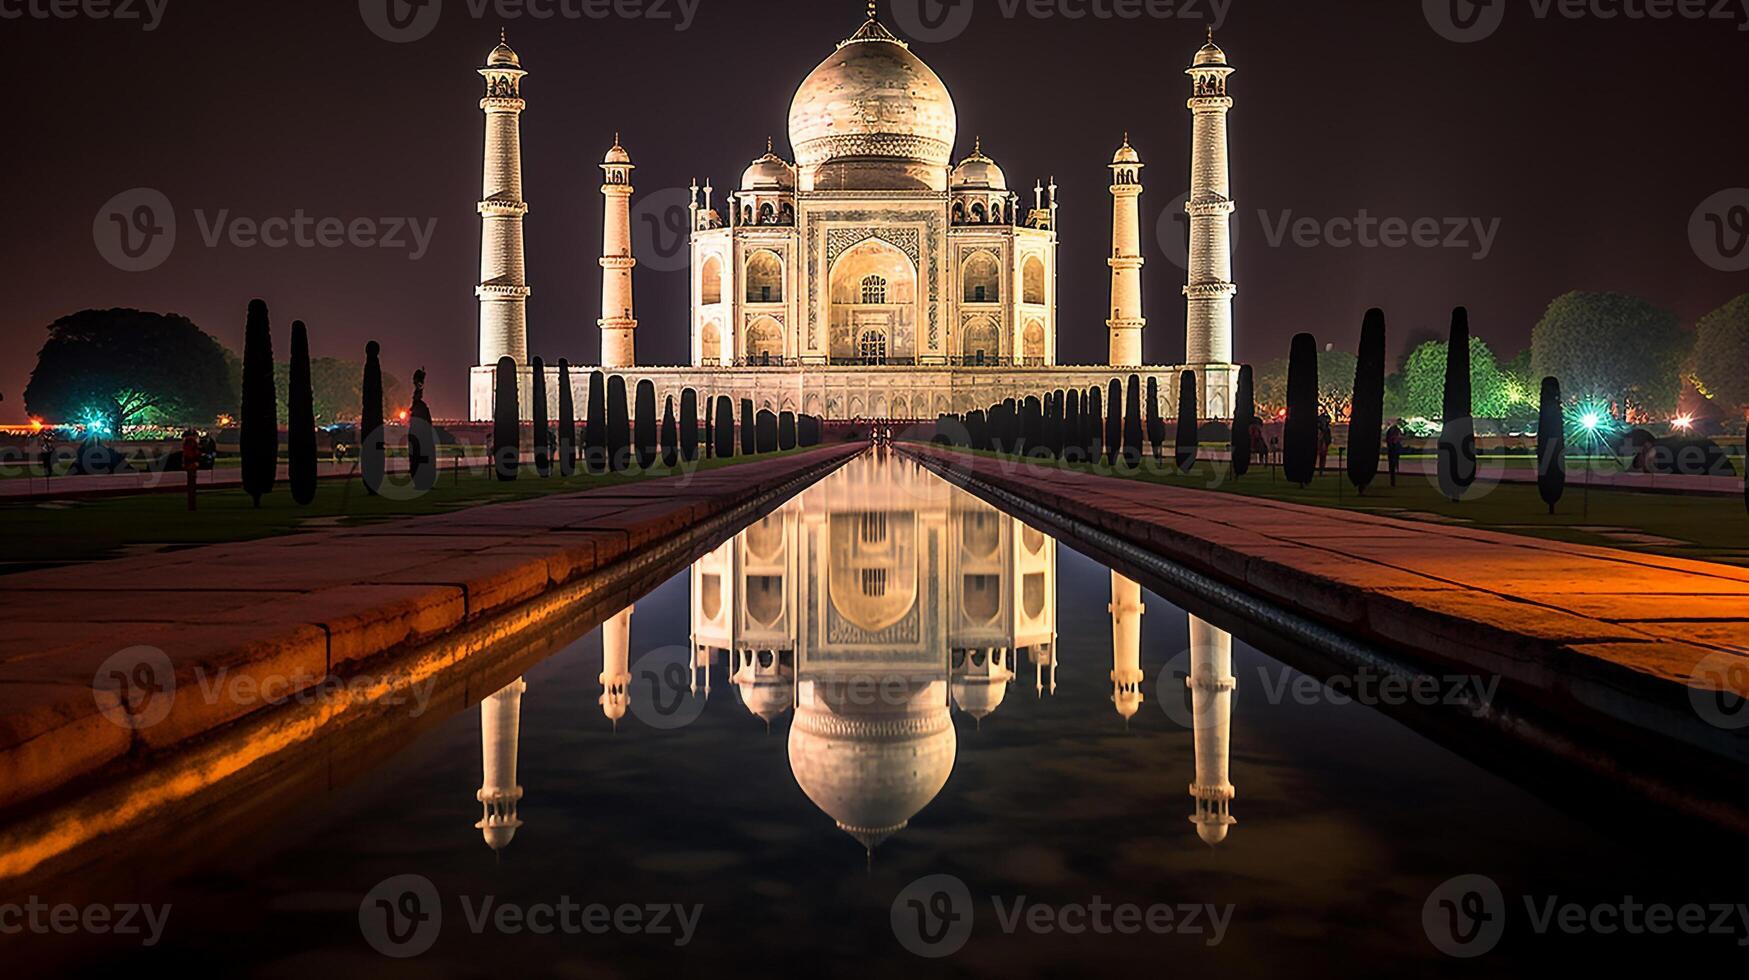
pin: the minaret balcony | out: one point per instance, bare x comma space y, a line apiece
1218, 207
1210, 103
499, 103
501, 290
499, 208
619, 262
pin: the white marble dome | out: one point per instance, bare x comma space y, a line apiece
875, 103
979, 172
769, 173
503, 56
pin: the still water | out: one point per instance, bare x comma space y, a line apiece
888, 728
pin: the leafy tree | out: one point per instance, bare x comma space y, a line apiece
336, 389
370, 420
567, 422
1269, 387
543, 434
1423, 385
1300, 437
1457, 436
1244, 410
689, 424
128, 367
506, 421
1366, 422
595, 426
260, 417
1721, 354
1551, 445
1611, 348
300, 420
1186, 446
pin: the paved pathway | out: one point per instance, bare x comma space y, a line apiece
36, 487
304, 607
1568, 621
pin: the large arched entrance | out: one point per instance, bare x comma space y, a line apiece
874, 305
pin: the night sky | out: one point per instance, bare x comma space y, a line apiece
1591, 141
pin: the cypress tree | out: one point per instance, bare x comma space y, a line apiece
1367, 422
644, 425
260, 412
749, 434
1095, 425
786, 430
1244, 412
1457, 436
370, 421
725, 423
1074, 436
421, 438
506, 423
1054, 425
807, 431
543, 450
977, 432
1551, 445
689, 424
567, 422
710, 430
595, 453
1132, 424
1113, 422
1186, 448
765, 431
1156, 424
300, 420
1031, 426
670, 434
1300, 438
619, 426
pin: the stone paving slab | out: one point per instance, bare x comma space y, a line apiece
1554, 617
243, 624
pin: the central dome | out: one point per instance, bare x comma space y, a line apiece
873, 116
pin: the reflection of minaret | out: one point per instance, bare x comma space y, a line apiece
1044, 669
1211, 686
618, 326
1126, 646
766, 680
500, 723
616, 669
980, 680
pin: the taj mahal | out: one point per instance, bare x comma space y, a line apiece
871, 277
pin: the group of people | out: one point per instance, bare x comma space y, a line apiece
1265, 450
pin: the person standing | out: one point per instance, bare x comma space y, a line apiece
191, 462
1394, 448
1325, 437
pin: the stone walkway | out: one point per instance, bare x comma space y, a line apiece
1636, 635
276, 615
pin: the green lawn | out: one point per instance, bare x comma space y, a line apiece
1711, 527
104, 527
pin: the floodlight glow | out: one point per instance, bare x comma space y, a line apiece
1683, 422
1590, 421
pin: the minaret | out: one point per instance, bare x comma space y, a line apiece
1209, 292
1211, 686
616, 665
1126, 321
500, 727
1126, 645
617, 322
503, 289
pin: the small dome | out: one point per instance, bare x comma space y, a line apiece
617, 154
1211, 54
1126, 153
1212, 832
503, 56
498, 836
979, 172
979, 696
768, 697
769, 172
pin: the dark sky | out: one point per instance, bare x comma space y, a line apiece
1591, 141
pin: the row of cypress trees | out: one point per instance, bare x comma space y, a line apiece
1074, 425
615, 437
259, 412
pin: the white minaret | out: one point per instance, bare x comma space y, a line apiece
503, 288
500, 727
1211, 686
616, 665
1209, 292
617, 322
1126, 321
1126, 645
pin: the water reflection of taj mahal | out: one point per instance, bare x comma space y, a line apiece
868, 610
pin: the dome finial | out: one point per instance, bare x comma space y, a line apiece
770, 146
978, 146
874, 12
1211, 33
503, 36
